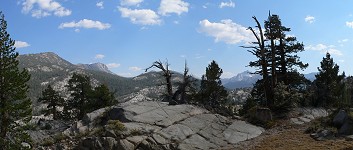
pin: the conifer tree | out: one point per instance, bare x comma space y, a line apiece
14, 103
212, 92
277, 58
80, 87
54, 100
329, 84
101, 97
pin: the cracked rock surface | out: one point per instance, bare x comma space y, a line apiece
189, 127
156, 125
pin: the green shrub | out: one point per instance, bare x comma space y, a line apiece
116, 125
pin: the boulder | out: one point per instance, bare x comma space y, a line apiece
125, 145
347, 127
340, 118
90, 117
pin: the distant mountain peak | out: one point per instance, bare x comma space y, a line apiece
96, 67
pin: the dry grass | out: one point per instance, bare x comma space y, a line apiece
288, 137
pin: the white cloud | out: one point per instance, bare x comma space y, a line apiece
99, 56
349, 24
130, 2
85, 23
183, 56
113, 65
140, 16
226, 31
100, 5
77, 30
309, 19
227, 4
173, 6
135, 68
228, 75
322, 48
44, 8
343, 41
21, 44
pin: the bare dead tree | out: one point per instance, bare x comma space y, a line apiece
185, 87
166, 73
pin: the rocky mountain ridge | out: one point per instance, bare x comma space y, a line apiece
246, 80
96, 67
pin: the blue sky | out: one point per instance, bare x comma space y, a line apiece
128, 35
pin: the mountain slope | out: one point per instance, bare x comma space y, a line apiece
95, 67
241, 80
49, 68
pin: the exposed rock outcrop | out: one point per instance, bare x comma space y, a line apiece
308, 114
156, 125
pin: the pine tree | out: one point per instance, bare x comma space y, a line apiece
80, 87
54, 100
277, 58
101, 97
329, 83
212, 92
14, 103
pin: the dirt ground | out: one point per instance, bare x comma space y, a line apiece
292, 137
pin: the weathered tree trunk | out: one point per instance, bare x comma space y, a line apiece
167, 74
264, 65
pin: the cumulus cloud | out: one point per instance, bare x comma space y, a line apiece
85, 23
130, 2
322, 48
100, 5
140, 16
44, 8
21, 44
343, 40
99, 56
309, 19
227, 4
135, 68
349, 24
173, 6
226, 31
113, 65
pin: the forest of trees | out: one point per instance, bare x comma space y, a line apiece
83, 99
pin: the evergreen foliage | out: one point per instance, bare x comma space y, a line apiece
329, 84
54, 100
277, 62
80, 87
14, 103
101, 97
212, 93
